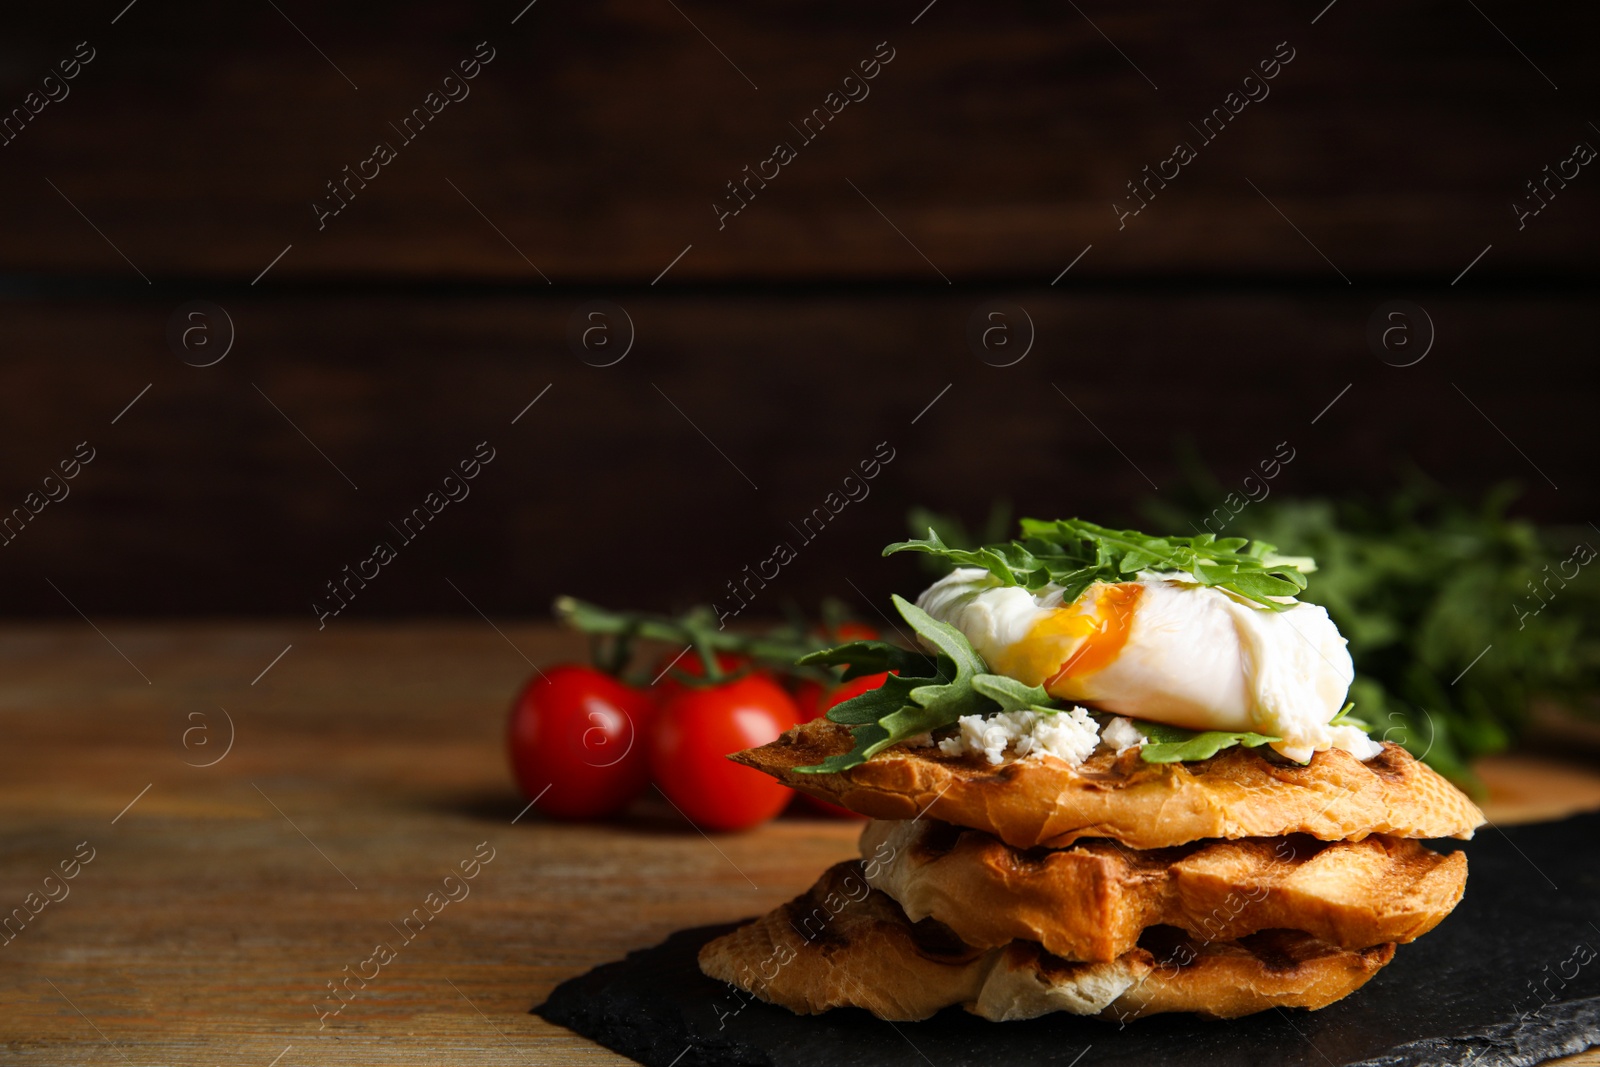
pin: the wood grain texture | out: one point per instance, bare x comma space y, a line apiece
216, 907
223, 490
600, 136
207, 925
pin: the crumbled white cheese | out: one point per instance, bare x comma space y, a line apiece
1355, 741
1120, 734
1069, 736
1194, 656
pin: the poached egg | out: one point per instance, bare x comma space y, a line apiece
1165, 649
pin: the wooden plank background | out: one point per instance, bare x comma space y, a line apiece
182, 160
600, 135
206, 926
204, 497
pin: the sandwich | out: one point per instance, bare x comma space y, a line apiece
1107, 774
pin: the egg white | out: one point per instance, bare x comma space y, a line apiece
1194, 656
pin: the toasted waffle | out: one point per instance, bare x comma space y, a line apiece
843, 944
1240, 792
1092, 901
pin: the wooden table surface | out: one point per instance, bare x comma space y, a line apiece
366, 763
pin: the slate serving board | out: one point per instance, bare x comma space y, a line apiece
1511, 977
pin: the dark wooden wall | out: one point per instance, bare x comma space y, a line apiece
781, 349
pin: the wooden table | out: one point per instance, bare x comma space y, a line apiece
366, 763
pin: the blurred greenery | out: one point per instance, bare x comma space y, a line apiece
1458, 616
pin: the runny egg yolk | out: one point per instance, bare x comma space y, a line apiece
1073, 642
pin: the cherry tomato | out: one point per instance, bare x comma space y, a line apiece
691, 738
838, 695
855, 631
577, 744
808, 695
688, 663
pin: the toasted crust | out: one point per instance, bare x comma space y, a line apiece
843, 945
1240, 792
1093, 901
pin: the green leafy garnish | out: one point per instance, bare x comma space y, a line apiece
908, 704
1074, 554
934, 691
1012, 695
1174, 744
872, 657
1344, 718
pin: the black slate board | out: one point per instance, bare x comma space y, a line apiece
1511, 977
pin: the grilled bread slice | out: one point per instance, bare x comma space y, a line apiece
1240, 792
843, 944
1093, 901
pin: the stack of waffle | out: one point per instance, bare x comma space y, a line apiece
1119, 888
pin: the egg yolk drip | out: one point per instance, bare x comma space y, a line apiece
1073, 642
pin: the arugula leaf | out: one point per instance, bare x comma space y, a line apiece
1174, 744
876, 704
1344, 718
950, 642
870, 739
871, 657
991, 558
1012, 695
907, 705
932, 692
1074, 554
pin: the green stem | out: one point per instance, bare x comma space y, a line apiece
695, 630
